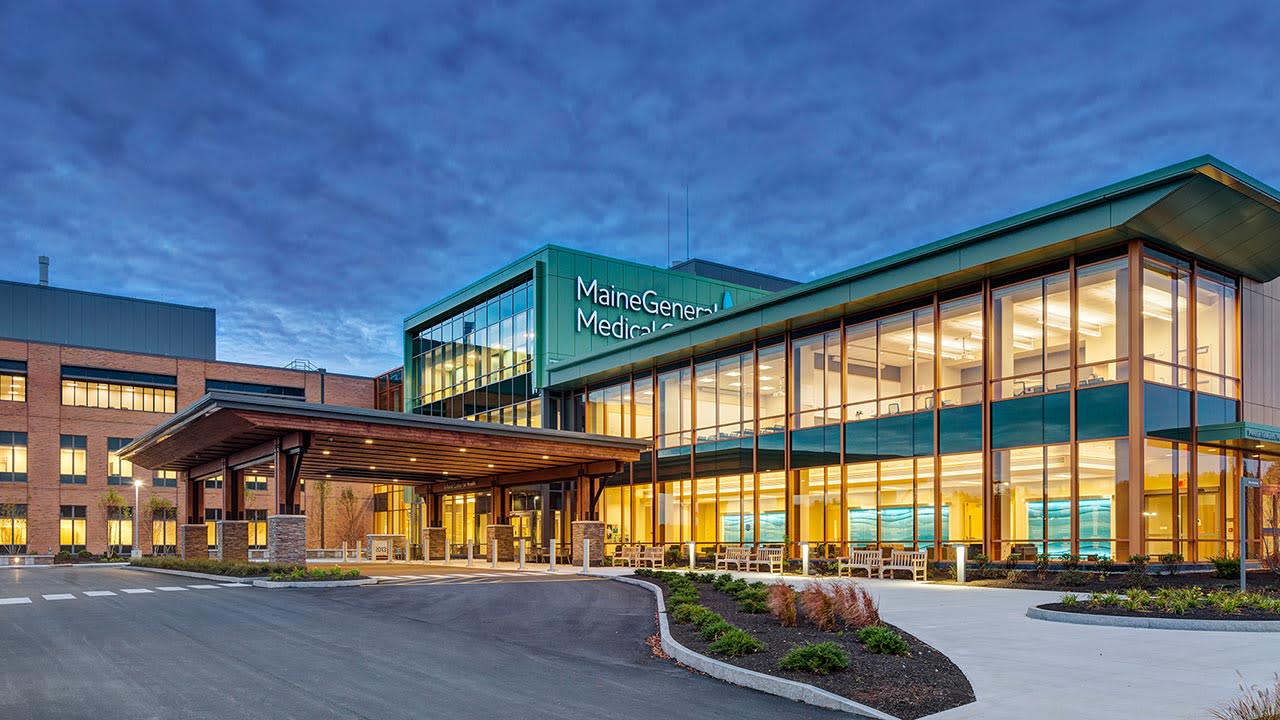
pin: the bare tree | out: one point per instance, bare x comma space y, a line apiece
351, 511
321, 502
9, 513
114, 504
158, 508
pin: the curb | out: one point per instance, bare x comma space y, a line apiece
313, 583
1151, 623
188, 573
782, 687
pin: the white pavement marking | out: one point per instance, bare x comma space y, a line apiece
172, 588
59, 596
98, 593
411, 577
233, 585
135, 591
203, 587
15, 601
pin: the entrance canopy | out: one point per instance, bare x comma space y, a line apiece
226, 433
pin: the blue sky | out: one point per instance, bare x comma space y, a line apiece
317, 171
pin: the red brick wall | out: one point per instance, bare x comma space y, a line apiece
45, 419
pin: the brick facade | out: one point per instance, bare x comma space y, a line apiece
44, 419
433, 539
193, 542
287, 538
504, 536
234, 540
592, 530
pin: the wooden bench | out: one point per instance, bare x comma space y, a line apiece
913, 561
735, 555
869, 560
770, 558
626, 556
653, 555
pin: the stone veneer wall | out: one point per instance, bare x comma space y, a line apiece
433, 540
592, 530
505, 535
193, 541
287, 539
234, 541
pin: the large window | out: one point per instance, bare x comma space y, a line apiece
1164, 495
1103, 510
72, 459
86, 393
1166, 326
960, 352
726, 397
609, 410
164, 530
817, 504
119, 470
1031, 337
675, 407
815, 380
478, 359
961, 491
211, 518
1217, 341
1032, 486
889, 365
13, 528
71, 528
13, 387
257, 528
674, 506
1102, 317
165, 478
120, 529
13, 456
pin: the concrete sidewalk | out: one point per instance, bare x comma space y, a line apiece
1022, 668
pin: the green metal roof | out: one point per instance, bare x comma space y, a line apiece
1202, 206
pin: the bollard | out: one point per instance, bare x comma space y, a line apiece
493, 553
344, 551
446, 549
692, 549
586, 554
521, 553
552, 547
470, 560
960, 562
804, 558
426, 549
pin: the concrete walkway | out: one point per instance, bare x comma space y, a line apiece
1022, 668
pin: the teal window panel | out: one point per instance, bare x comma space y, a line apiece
771, 453
896, 436
923, 433
1214, 410
860, 440
1057, 418
1017, 422
673, 463
1166, 411
1102, 412
815, 447
960, 429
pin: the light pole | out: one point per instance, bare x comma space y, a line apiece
136, 552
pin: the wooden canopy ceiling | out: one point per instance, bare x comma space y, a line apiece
240, 430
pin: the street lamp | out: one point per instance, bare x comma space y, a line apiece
136, 552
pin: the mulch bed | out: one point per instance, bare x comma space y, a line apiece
1083, 608
908, 687
1259, 581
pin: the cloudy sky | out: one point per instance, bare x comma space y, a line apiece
317, 171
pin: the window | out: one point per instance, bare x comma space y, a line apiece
675, 407
889, 365
960, 352
82, 393
13, 457
1166, 327
255, 482
164, 478
119, 470
609, 410
772, 388
13, 529
257, 528
213, 483
817, 504
1031, 337
71, 528
1102, 471
164, 530
211, 518
725, 398
13, 381
1032, 488
292, 393
644, 406
1164, 495
815, 380
961, 507
1102, 318
120, 529
1217, 342
72, 458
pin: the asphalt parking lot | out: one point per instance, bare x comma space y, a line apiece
99, 642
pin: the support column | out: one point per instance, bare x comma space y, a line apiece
195, 500
235, 540
592, 530
193, 541
287, 539
505, 536
433, 539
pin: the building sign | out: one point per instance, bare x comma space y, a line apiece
455, 485
662, 312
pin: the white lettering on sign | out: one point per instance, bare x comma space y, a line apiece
647, 302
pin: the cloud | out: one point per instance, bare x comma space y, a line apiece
317, 171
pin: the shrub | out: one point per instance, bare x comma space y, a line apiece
1072, 578
301, 573
714, 628
820, 658
1171, 562
818, 606
1015, 576
1070, 562
1225, 567
1106, 564
1254, 703
84, 555
721, 581
215, 567
754, 600
854, 605
62, 557
689, 613
736, 643
1042, 563
1069, 600
1011, 562
782, 603
1138, 564
883, 641
1106, 599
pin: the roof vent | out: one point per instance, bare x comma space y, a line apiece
44, 270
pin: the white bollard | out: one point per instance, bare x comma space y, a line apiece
344, 551
692, 549
586, 554
493, 553
521, 553
446, 549
804, 558
470, 560
552, 547
961, 551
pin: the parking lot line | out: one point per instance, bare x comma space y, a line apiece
59, 596
233, 585
135, 591
15, 601
203, 587
172, 588
98, 593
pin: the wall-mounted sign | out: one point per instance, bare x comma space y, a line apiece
457, 485
662, 310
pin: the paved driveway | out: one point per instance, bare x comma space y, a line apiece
517, 649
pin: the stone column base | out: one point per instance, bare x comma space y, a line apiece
592, 530
193, 541
234, 540
287, 539
433, 543
505, 536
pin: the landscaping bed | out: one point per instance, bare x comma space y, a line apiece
921, 682
273, 571
1174, 603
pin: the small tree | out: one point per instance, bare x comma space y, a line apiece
8, 513
321, 502
114, 508
158, 508
350, 516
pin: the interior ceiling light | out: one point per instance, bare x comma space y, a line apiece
490, 464
413, 459
373, 467
446, 472
328, 476
368, 441
548, 457
324, 452
462, 449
